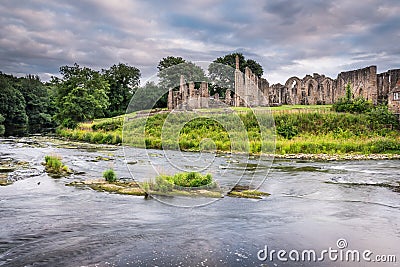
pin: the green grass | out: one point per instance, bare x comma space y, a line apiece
54, 165
110, 176
167, 183
188, 179
308, 130
286, 107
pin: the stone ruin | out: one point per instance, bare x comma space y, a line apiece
188, 97
317, 89
394, 98
246, 93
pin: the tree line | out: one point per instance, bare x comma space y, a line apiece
28, 105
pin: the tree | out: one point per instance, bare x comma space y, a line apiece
148, 97
349, 95
81, 95
169, 61
123, 80
255, 67
12, 106
170, 70
223, 77
230, 60
38, 103
2, 128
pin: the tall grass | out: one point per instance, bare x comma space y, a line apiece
54, 164
166, 183
110, 175
300, 132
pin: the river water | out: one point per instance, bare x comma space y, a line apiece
312, 205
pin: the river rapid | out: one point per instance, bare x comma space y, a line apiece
314, 205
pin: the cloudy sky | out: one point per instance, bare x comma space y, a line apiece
286, 37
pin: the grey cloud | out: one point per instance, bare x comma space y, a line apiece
41, 36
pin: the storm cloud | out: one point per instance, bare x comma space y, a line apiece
287, 37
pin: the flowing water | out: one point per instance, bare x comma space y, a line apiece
312, 205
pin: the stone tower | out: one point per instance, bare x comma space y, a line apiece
239, 88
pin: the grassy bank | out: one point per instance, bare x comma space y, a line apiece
100, 131
311, 131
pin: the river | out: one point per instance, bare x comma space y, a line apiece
312, 205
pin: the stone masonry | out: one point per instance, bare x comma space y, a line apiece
188, 97
253, 91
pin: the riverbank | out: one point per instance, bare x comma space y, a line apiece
322, 133
62, 142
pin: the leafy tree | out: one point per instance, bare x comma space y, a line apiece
349, 95
2, 128
12, 106
170, 70
123, 80
148, 97
224, 77
381, 115
38, 103
81, 95
169, 61
230, 60
255, 67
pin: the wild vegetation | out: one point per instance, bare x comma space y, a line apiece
167, 183
55, 167
188, 179
307, 131
25, 105
110, 176
183, 184
348, 104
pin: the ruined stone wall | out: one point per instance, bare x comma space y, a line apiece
394, 98
310, 90
239, 88
363, 83
386, 82
188, 97
318, 89
251, 90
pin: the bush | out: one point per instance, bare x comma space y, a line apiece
348, 104
110, 176
54, 165
189, 179
358, 105
87, 137
97, 137
109, 124
165, 183
287, 129
107, 139
380, 115
162, 184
